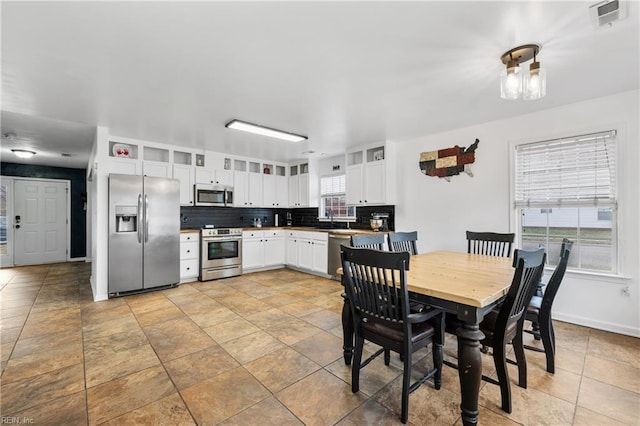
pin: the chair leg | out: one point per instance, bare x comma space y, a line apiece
355, 365
406, 382
437, 364
546, 330
535, 330
500, 362
521, 359
387, 356
437, 352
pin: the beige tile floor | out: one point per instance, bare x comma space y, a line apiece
260, 349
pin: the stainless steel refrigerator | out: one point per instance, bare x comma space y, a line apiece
144, 233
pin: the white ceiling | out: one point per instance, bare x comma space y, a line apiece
342, 73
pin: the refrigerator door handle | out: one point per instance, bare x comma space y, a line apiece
146, 218
139, 218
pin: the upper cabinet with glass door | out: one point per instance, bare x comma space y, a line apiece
370, 175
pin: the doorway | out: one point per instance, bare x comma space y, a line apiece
40, 221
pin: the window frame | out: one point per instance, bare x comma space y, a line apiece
515, 211
321, 217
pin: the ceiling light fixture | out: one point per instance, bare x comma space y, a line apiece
511, 79
23, 153
264, 131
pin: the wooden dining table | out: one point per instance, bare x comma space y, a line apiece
467, 285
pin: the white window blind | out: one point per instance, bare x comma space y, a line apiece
331, 185
575, 171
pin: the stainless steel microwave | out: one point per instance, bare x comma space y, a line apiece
213, 195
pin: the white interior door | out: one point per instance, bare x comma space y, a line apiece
40, 221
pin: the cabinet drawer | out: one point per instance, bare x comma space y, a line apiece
186, 237
189, 268
189, 250
274, 234
252, 234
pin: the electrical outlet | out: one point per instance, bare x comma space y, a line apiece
625, 291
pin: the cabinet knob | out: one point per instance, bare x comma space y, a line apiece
188, 251
188, 268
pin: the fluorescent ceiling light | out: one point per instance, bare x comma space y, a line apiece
23, 153
264, 131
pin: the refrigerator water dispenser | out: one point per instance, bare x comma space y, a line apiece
126, 219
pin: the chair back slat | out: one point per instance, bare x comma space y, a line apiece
530, 265
375, 281
558, 274
370, 241
404, 241
490, 243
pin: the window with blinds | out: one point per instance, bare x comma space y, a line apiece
333, 199
566, 188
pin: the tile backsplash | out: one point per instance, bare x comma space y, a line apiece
236, 217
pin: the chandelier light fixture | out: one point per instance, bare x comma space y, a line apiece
264, 131
513, 85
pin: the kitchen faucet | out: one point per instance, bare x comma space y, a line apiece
330, 211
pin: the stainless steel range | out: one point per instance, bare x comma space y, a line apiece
221, 253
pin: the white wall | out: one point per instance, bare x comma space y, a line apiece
442, 211
98, 207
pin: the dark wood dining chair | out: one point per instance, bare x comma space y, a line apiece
404, 241
504, 325
539, 309
376, 286
370, 241
490, 243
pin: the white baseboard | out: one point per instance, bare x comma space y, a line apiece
600, 325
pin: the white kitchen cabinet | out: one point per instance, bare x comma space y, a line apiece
189, 256
124, 166
213, 176
269, 190
240, 189
184, 174
263, 249
305, 252
255, 189
311, 251
299, 185
354, 184
274, 248
282, 191
370, 175
292, 248
320, 252
155, 169
252, 249
247, 188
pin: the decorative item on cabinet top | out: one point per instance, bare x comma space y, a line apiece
121, 150
448, 162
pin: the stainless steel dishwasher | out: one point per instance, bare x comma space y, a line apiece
335, 241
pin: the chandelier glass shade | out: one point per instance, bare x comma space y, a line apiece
513, 84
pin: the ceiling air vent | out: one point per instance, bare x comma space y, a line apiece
605, 13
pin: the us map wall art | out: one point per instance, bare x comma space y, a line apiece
448, 162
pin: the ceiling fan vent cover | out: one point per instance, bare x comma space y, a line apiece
606, 12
